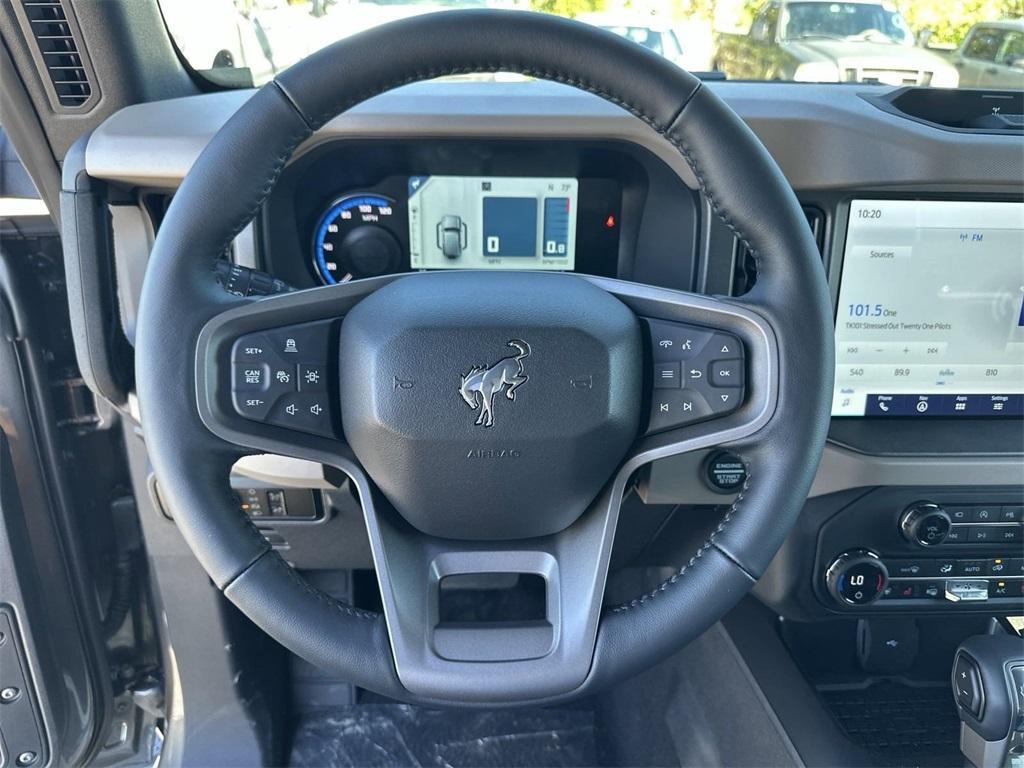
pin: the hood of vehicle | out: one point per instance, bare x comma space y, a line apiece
864, 54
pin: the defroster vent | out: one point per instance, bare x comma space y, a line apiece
60, 53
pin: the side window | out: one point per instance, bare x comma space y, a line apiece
984, 44
1013, 48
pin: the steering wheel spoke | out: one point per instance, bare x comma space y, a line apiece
540, 600
267, 372
712, 370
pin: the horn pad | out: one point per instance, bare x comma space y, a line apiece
490, 405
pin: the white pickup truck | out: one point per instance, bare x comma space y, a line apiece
864, 41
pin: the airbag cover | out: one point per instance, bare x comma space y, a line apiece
490, 405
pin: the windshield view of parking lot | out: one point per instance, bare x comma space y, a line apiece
940, 43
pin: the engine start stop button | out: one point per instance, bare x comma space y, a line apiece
725, 472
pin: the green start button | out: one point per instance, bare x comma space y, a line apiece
725, 472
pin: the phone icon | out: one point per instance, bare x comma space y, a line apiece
883, 406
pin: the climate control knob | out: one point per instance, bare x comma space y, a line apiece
925, 524
857, 577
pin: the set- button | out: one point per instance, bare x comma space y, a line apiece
696, 374
280, 377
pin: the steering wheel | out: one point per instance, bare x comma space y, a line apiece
489, 421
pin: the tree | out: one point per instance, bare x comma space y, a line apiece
949, 20
570, 8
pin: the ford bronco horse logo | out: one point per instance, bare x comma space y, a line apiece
482, 383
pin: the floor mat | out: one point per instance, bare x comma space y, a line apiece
904, 726
387, 735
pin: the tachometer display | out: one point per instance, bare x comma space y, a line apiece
353, 239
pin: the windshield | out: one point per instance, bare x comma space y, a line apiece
940, 43
845, 21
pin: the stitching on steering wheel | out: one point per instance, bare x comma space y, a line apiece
708, 543
321, 596
683, 149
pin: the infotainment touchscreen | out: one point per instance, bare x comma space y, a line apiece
930, 313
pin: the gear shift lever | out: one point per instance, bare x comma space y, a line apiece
988, 685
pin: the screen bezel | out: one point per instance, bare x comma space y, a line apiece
834, 267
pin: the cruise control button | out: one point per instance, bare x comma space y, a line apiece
300, 343
727, 373
673, 408
251, 348
252, 405
282, 378
250, 377
666, 376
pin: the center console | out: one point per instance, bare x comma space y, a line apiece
929, 307
958, 550
929, 326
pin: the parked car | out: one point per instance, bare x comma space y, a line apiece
992, 55
656, 35
864, 41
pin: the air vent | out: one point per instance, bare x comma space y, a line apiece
745, 274
59, 53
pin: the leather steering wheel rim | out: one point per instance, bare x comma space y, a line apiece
737, 176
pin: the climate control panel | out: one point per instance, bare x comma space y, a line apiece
897, 550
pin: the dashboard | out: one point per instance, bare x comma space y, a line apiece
921, 237
360, 209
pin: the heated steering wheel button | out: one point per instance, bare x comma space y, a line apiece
727, 373
674, 408
250, 377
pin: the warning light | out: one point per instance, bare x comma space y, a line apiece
609, 223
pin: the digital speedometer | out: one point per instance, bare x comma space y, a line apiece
353, 239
